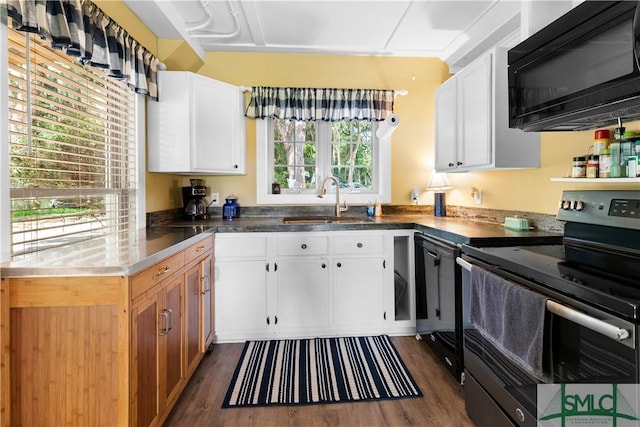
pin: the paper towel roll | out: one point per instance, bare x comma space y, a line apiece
388, 126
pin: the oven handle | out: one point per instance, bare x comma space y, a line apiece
464, 264
597, 325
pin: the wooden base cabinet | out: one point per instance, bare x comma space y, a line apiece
199, 316
107, 350
158, 339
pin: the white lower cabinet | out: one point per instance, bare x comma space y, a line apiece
241, 298
241, 279
307, 284
303, 297
358, 290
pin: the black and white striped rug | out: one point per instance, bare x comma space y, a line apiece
319, 370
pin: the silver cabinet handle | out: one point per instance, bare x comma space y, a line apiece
167, 314
163, 271
206, 285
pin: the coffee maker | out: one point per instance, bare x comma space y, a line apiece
193, 200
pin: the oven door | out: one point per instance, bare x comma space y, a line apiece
587, 346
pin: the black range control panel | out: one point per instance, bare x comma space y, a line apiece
627, 208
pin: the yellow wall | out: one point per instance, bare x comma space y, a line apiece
411, 141
412, 146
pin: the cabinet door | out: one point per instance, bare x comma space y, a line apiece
302, 294
145, 384
475, 114
172, 369
357, 291
208, 301
241, 298
218, 127
445, 126
193, 314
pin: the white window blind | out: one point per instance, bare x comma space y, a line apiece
72, 149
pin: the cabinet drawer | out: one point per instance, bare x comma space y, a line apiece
197, 249
302, 245
365, 244
147, 279
241, 246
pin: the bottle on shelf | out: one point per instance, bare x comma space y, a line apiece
604, 164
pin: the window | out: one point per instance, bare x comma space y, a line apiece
72, 149
298, 155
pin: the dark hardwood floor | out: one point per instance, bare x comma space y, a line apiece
441, 405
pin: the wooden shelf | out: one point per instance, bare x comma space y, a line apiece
594, 180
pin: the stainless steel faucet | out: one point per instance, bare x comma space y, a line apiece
322, 191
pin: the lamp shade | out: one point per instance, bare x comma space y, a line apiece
438, 182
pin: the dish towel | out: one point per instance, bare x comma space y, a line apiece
514, 319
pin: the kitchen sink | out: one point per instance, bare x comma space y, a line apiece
325, 220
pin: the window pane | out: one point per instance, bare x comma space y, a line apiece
352, 154
72, 149
294, 154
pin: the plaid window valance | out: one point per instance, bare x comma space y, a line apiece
319, 104
85, 32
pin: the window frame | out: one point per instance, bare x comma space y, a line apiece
5, 190
264, 168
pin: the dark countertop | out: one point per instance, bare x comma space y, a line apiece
130, 253
452, 229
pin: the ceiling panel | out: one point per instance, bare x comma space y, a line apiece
430, 28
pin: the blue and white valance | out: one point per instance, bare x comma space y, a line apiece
85, 32
329, 105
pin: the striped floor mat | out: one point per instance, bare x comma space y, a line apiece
319, 370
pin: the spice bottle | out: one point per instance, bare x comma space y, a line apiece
601, 140
604, 164
579, 169
592, 166
632, 166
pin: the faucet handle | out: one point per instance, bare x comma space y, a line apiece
343, 208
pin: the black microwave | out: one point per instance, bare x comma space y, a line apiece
579, 72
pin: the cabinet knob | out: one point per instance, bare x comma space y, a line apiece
451, 164
459, 163
235, 166
323, 265
359, 245
303, 246
339, 264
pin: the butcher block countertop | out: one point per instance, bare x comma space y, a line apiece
132, 252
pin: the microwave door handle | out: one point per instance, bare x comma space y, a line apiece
596, 325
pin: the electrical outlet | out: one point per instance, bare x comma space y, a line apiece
215, 199
478, 197
415, 193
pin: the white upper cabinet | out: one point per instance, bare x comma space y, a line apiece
472, 121
197, 126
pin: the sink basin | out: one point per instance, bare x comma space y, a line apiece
325, 220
